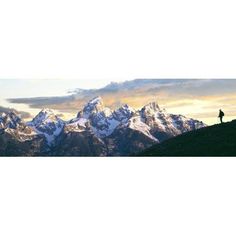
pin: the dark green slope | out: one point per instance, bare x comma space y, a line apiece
216, 140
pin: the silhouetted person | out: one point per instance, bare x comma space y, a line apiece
221, 114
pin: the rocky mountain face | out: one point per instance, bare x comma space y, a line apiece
19, 139
96, 131
47, 124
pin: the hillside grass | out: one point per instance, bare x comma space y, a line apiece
216, 140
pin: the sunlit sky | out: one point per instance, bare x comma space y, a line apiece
21, 88
200, 99
46, 87
89, 40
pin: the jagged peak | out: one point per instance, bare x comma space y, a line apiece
10, 119
126, 108
46, 111
11, 115
93, 106
152, 106
124, 112
96, 100
2, 115
45, 115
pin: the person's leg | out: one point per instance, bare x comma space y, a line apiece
221, 121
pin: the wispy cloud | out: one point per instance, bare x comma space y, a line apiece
191, 97
22, 114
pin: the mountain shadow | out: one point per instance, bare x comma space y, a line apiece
216, 140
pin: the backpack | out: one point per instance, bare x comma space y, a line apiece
222, 113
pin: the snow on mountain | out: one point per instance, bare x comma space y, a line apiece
9, 120
102, 120
92, 107
150, 120
98, 117
151, 108
97, 129
159, 119
123, 113
185, 124
137, 124
76, 125
48, 124
11, 123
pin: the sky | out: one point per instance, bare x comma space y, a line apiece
123, 40
46, 87
87, 44
119, 40
21, 88
196, 98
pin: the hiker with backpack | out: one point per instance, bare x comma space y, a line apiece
221, 114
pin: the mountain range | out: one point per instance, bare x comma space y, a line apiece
96, 131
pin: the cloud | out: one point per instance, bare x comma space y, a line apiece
39, 102
22, 114
133, 88
192, 97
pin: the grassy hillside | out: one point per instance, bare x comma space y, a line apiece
216, 140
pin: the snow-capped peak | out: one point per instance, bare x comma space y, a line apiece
47, 111
127, 108
96, 100
45, 116
93, 106
48, 124
124, 112
9, 120
150, 120
151, 107
2, 114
